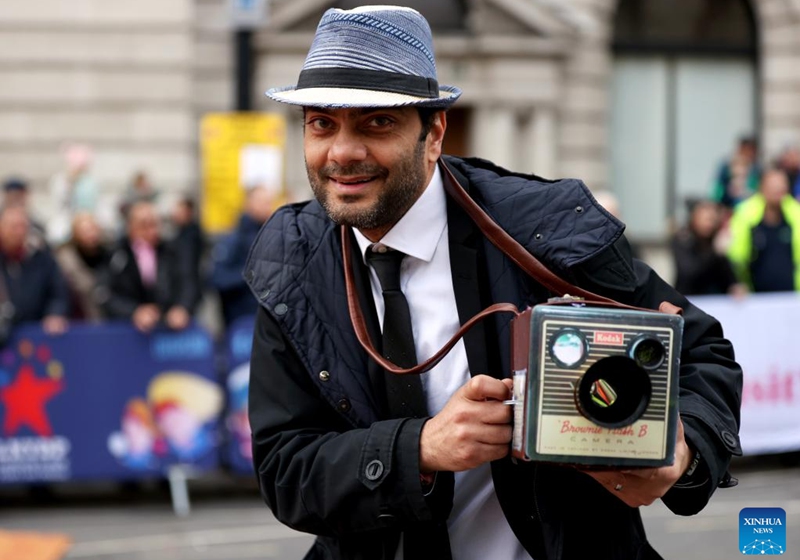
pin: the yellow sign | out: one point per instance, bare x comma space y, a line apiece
239, 151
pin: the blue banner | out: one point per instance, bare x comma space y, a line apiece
239, 450
106, 402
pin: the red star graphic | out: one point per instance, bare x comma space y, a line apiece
24, 400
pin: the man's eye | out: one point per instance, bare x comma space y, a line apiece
318, 123
381, 121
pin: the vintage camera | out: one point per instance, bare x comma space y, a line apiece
595, 386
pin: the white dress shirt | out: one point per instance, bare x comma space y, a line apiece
477, 527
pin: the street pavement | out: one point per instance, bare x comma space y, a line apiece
713, 534
229, 522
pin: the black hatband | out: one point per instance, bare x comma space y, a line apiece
354, 78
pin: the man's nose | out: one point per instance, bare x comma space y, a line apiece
347, 147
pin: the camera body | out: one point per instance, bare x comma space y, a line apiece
595, 386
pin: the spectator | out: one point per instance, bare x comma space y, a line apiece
140, 188
738, 178
765, 237
789, 162
230, 255
144, 281
84, 260
188, 243
31, 285
702, 269
17, 193
73, 190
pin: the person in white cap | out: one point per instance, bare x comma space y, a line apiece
381, 466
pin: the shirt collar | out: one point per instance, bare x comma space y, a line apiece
418, 231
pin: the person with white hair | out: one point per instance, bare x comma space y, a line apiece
72, 191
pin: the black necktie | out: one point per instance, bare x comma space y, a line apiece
423, 541
404, 392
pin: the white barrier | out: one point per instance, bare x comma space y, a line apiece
765, 331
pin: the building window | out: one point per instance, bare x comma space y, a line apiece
683, 90
685, 26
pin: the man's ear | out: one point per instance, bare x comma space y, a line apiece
436, 136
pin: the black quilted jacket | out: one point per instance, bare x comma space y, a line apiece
317, 421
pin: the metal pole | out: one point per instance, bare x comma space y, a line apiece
244, 70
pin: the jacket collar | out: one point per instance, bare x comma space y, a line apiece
559, 222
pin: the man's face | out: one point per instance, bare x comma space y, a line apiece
791, 159
85, 232
774, 186
143, 224
14, 226
747, 151
367, 167
16, 197
259, 204
705, 219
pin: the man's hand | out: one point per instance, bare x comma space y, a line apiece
145, 317
178, 318
641, 487
473, 428
55, 324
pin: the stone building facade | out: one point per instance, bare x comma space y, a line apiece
133, 77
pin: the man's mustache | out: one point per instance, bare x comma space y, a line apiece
359, 169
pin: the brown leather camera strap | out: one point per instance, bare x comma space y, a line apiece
500, 239
357, 318
513, 250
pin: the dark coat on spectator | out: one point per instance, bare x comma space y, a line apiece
700, 270
35, 286
230, 256
123, 290
188, 246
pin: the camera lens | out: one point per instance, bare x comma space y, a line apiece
614, 392
568, 348
648, 352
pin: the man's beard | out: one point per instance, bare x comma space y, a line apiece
396, 196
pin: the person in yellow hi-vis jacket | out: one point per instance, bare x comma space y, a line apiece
765, 237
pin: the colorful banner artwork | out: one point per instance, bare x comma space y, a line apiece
106, 402
239, 449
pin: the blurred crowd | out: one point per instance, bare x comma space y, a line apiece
746, 236
153, 266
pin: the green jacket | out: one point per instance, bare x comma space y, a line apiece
745, 218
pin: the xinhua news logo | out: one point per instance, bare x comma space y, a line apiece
762, 531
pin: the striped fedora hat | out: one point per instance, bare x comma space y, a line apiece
372, 56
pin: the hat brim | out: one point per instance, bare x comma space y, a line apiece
343, 98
